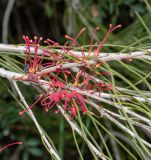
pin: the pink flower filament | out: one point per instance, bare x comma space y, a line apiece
11, 144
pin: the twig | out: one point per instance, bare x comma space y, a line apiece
113, 143
13, 75
103, 56
120, 125
126, 110
75, 128
111, 96
10, 75
104, 112
51, 150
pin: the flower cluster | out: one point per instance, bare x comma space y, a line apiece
63, 84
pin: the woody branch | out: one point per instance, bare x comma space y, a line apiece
11, 75
145, 54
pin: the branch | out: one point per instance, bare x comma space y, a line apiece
127, 130
75, 128
49, 147
12, 75
103, 56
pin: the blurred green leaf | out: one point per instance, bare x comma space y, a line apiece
32, 142
35, 152
25, 156
48, 10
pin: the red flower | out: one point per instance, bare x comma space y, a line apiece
33, 63
55, 83
78, 98
73, 111
111, 29
53, 99
75, 42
